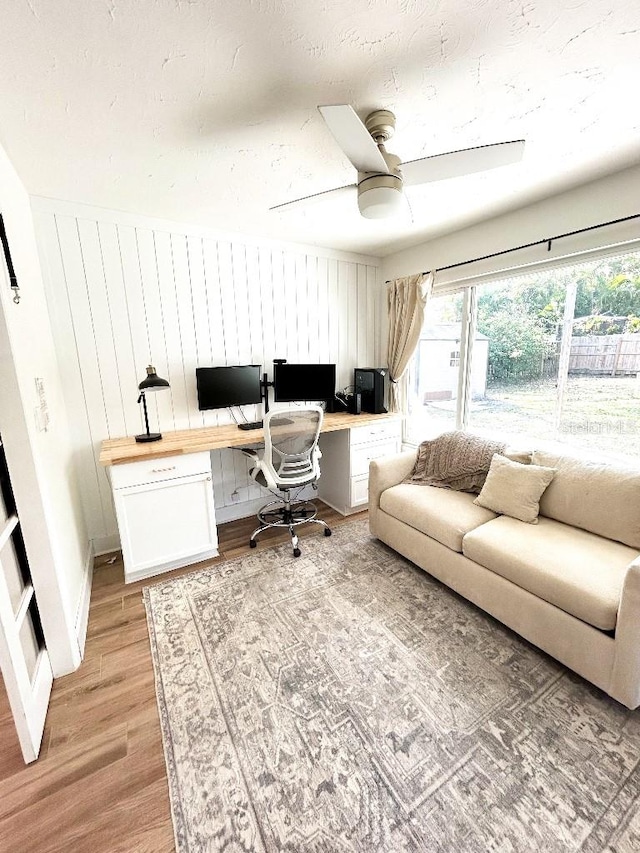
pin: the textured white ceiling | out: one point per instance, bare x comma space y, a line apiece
204, 111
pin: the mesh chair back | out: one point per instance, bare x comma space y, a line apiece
291, 445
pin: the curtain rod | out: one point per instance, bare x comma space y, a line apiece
548, 241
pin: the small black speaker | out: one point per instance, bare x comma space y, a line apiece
369, 382
355, 404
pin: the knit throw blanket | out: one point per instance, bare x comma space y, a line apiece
455, 460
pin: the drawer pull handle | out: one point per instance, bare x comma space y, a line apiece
162, 470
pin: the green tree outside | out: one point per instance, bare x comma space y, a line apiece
523, 317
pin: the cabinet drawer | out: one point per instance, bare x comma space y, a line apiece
156, 470
359, 490
361, 456
375, 432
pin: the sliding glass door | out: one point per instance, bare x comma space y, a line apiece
550, 356
435, 369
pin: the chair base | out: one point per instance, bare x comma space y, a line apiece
289, 515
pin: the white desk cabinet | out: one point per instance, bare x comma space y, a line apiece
163, 492
344, 467
165, 512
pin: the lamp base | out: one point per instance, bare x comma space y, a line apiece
149, 436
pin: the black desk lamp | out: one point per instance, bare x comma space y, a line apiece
152, 382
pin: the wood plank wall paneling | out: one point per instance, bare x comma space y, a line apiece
124, 295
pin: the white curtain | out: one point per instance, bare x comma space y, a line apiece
406, 300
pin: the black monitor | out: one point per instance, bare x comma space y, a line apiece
293, 382
221, 387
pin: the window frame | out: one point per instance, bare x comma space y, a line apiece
469, 287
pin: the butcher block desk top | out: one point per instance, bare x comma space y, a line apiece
116, 451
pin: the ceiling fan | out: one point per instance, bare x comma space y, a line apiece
381, 175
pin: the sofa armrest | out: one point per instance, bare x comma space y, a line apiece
384, 473
625, 676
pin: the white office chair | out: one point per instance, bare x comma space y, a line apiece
290, 460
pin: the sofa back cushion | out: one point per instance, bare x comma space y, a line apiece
602, 498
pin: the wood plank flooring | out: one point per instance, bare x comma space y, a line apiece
99, 785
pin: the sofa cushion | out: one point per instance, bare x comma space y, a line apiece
514, 489
443, 514
601, 498
573, 569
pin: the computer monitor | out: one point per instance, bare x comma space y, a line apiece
221, 387
293, 382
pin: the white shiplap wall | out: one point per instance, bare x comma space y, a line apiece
126, 291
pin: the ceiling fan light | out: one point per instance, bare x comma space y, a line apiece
380, 196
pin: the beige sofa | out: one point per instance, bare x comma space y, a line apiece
570, 584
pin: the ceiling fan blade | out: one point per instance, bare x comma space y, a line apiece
313, 197
464, 162
354, 138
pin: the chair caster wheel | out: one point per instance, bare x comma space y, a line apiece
253, 543
327, 532
297, 552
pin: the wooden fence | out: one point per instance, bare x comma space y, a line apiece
611, 355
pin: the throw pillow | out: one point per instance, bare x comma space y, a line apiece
514, 489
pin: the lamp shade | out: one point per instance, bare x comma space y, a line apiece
152, 382
380, 196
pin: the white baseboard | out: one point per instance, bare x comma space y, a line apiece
82, 614
240, 510
245, 509
105, 544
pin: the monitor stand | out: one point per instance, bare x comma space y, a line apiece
264, 390
264, 393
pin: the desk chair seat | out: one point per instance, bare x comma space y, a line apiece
290, 460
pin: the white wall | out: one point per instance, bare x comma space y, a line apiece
40, 460
610, 198
126, 291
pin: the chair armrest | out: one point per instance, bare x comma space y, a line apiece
384, 473
625, 677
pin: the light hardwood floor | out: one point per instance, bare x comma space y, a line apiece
99, 785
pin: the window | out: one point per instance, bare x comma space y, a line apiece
552, 356
433, 373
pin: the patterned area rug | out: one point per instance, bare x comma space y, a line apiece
346, 701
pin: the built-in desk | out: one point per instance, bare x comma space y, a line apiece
163, 492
